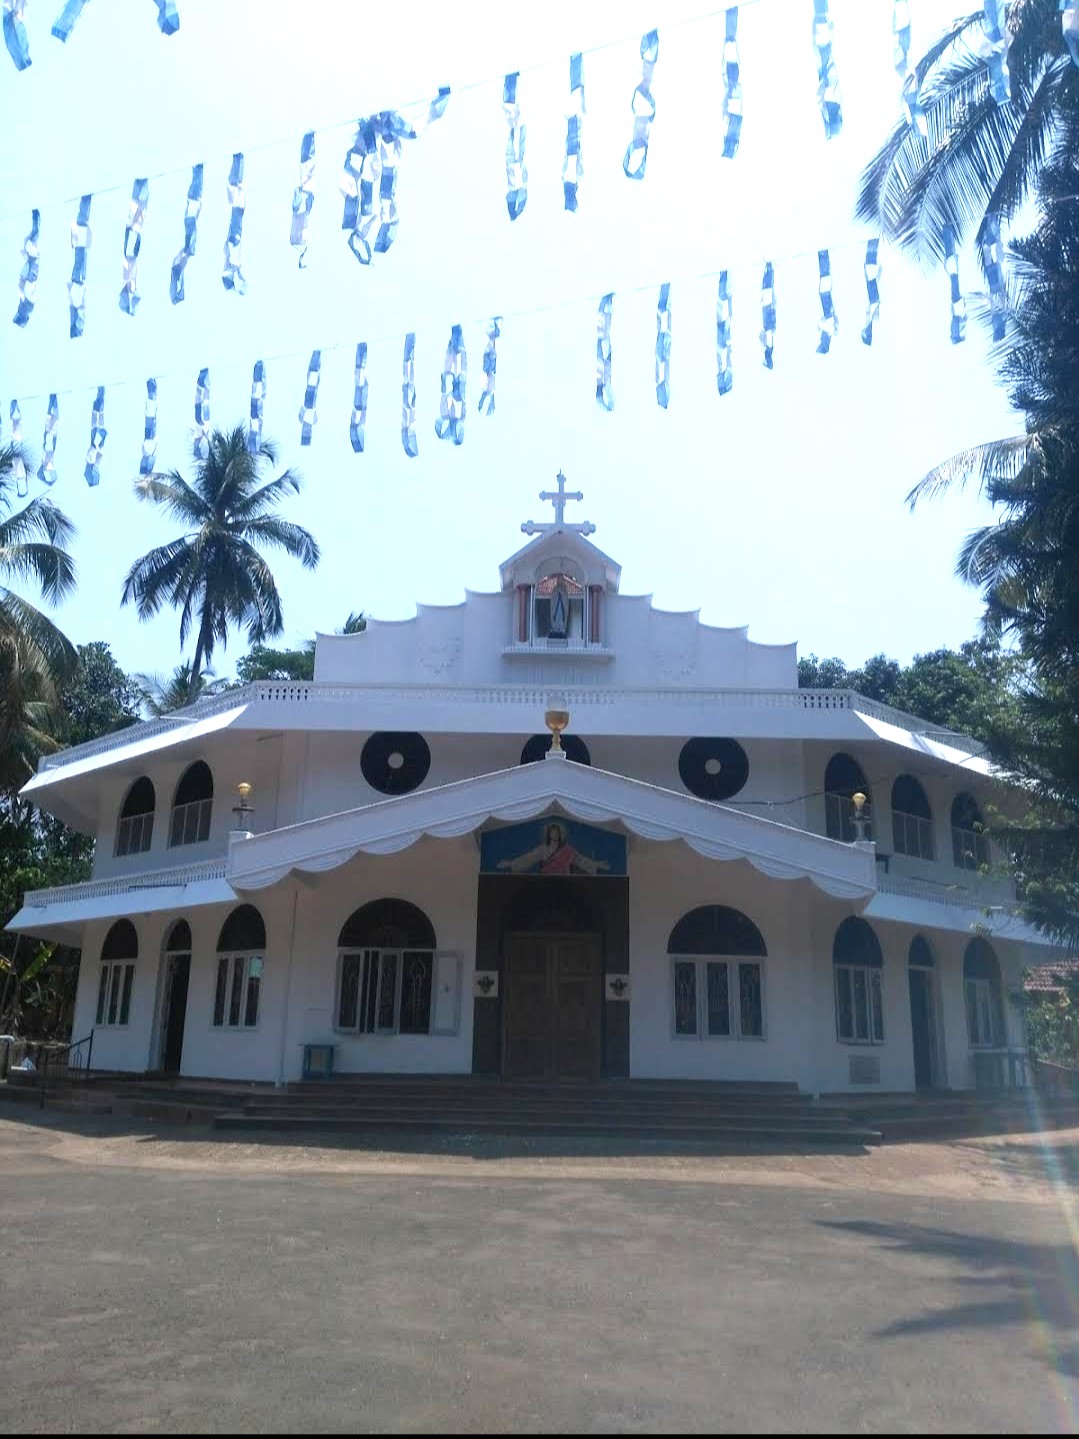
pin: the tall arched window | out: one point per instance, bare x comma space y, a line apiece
192, 805
118, 955
842, 779
981, 985
970, 843
912, 819
717, 975
241, 956
859, 999
136, 827
385, 966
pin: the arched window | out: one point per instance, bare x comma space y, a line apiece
385, 966
537, 747
970, 843
192, 805
717, 975
241, 955
558, 608
981, 984
136, 827
843, 779
920, 956
178, 939
912, 819
118, 955
859, 999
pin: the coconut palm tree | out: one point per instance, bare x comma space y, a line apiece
213, 573
161, 696
977, 158
34, 655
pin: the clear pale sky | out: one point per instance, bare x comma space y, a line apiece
779, 505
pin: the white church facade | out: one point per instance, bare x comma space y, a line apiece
395, 869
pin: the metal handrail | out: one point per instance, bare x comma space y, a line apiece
51, 1061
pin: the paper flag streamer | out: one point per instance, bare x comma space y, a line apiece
604, 393
663, 347
1069, 23
644, 111
98, 434
572, 168
872, 289
450, 424
18, 46
46, 471
232, 275
258, 405
31, 250
993, 263
959, 306
200, 441
18, 469
371, 167
303, 198
490, 362
516, 174
80, 243
309, 415
359, 401
191, 221
768, 313
828, 323
828, 89
136, 216
993, 47
149, 430
168, 21
732, 86
408, 398
724, 371
65, 22
908, 76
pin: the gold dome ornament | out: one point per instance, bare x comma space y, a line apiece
556, 721
243, 811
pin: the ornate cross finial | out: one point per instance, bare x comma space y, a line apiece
558, 498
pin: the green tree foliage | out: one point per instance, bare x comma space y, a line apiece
97, 697
978, 158
263, 663
163, 695
971, 689
214, 573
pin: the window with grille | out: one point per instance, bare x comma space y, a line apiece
384, 991
718, 998
192, 806
912, 819
238, 991
135, 828
970, 843
114, 993
859, 991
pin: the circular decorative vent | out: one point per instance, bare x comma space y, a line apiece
395, 763
539, 744
713, 768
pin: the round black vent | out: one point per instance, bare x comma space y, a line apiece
713, 768
539, 744
395, 763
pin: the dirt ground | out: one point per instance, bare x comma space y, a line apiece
173, 1280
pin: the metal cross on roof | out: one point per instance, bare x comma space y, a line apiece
558, 498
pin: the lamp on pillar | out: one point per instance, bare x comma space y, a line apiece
243, 811
556, 721
861, 824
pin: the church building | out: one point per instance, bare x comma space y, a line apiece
551, 832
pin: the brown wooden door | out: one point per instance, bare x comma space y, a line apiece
553, 1007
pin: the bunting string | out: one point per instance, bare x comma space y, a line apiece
358, 424
768, 313
98, 435
200, 443
308, 416
959, 308
828, 90
18, 468
148, 461
663, 347
232, 276
136, 217
490, 362
828, 323
64, 23
80, 243
258, 406
18, 46
31, 250
192, 210
408, 398
732, 86
993, 264
872, 289
724, 310
644, 110
604, 393
516, 174
993, 47
46, 470
450, 424
908, 76
572, 166
303, 199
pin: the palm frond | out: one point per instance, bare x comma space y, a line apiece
282, 534
23, 624
985, 463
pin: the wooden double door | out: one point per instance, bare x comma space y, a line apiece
552, 1006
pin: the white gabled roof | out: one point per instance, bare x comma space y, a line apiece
596, 796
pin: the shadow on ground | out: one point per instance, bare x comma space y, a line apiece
1009, 1282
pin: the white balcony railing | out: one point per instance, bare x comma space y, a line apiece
912, 834
176, 878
